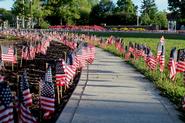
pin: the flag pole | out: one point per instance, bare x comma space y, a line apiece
17, 94
40, 82
21, 61
12, 66
65, 54
58, 94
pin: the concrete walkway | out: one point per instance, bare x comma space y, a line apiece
116, 93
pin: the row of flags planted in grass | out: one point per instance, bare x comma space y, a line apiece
136, 51
176, 63
65, 71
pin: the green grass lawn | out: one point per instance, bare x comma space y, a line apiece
134, 34
173, 89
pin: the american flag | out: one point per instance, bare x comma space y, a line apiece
1, 78
25, 54
25, 115
70, 57
131, 47
38, 47
159, 48
79, 57
91, 54
138, 51
110, 40
172, 63
162, 59
8, 54
127, 56
25, 91
60, 73
47, 97
121, 49
26, 100
43, 49
32, 52
118, 44
6, 104
161, 54
151, 61
2, 67
84, 56
71, 61
77, 62
69, 73
145, 52
181, 60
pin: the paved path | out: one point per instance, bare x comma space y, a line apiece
116, 93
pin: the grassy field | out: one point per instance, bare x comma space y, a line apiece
173, 89
135, 34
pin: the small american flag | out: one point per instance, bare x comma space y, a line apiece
121, 49
181, 60
110, 40
159, 48
127, 56
79, 57
151, 61
8, 54
91, 54
70, 58
84, 56
60, 74
1, 78
162, 59
47, 98
25, 115
138, 51
26, 100
6, 104
25, 91
2, 67
25, 53
32, 52
38, 47
172, 63
161, 54
77, 62
69, 73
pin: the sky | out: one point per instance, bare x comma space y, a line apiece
161, 4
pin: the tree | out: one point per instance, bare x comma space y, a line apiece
178, 9
126, 11
30, 9
161, 19
145, 19
84, 11
148, 8
126, 6
100, 11
68, 11
7, 15
93, 2
21, 8
120, 18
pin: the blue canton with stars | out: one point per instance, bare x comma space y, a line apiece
5, 95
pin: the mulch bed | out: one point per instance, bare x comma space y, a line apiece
36, 70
